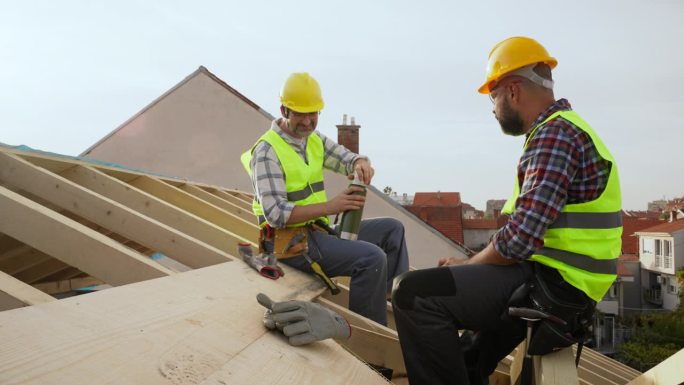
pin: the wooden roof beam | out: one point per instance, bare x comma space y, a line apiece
196, 242
73, 243
15, 294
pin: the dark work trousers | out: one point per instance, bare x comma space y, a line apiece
431, 305
372, 262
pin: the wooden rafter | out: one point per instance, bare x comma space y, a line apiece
196, 206
106, 212
14, 293
73, 243
223, 242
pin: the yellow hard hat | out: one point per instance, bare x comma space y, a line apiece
511, 54
301, 93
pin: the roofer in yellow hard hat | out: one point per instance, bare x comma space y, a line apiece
557, 253
286, 166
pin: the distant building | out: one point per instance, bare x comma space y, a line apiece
470, 212
441, 210
494, 207
657, 206
661, 254
403, 199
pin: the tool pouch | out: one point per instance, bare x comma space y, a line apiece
282, 246
551, 294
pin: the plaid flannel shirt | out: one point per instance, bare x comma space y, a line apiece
559, 166
268, 178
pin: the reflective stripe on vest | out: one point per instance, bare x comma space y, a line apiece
303, 181
305, 192
588, 220
584, 242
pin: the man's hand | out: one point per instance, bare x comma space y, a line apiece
451, 261
346, 200
303, 322
363, 169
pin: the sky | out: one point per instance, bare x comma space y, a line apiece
73, 71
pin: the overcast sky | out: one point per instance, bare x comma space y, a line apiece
72, 71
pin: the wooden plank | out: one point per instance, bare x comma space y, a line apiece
233, 199
556, 368
42, 270
613, 369
7, 245
24, 261
668, 372
342, 299
73, 243
356, 319
517, 362
107, 213
374, 343
199, 327
219, 202
157, 209
14, 294
196, 206
67, 285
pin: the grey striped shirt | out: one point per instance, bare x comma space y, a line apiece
268, 178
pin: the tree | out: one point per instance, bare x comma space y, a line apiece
387, 190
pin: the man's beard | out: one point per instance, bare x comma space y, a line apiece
510, 121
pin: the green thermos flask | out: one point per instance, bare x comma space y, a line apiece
351, 219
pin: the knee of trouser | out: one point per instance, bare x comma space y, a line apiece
402, 291
394, 225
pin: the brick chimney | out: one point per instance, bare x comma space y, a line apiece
348, 134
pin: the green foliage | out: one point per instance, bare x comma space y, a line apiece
643, 353
657, 336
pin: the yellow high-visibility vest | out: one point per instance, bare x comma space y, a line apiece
584, 242
303, 182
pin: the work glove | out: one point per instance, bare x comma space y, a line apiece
265, 264
303, 322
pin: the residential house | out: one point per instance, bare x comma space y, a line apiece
661, 255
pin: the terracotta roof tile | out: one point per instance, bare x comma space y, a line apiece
630, 225
437, 199
667, 227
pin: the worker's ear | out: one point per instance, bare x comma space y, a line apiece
285, 112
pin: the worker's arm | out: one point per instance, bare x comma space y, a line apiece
339, 159
342, 202
488, 256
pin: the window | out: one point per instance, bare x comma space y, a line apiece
668, 262
666, 248
671, 285
658, 249
647, 245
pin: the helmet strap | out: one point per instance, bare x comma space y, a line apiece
528, 73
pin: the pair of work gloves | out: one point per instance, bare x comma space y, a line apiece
303, 322
264, 264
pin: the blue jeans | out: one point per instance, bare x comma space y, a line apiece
372, 262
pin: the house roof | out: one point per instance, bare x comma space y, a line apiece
438, 198
664, 228
630, 225
200, 70
641, 214
480, 224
